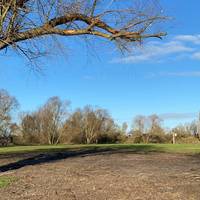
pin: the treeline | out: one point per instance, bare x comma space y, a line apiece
148, 129
53, 123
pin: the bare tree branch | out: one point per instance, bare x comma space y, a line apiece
26, 20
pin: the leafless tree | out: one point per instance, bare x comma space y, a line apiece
155, 131
92, 121
154, 121
24, 22
124, 128
7, 105
31, 128
45, 125
87, 125
73, 128
52, 115
139, 123
148, 128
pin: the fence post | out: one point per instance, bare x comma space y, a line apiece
174, 138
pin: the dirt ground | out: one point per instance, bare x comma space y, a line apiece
101, 176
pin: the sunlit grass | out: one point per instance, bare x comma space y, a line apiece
6, 181
170, 148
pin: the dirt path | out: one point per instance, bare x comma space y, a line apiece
116, 176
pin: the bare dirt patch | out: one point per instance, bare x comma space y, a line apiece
101, 176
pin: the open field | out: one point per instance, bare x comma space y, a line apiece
99, 172
168, 148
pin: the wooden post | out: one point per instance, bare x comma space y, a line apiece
174, 138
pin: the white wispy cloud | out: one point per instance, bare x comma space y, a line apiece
177, 74
177, 116
196, 55
189, 38
182, 74
181, 46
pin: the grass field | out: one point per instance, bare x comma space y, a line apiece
169, 148
5, 181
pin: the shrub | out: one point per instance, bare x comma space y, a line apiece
135, 137
156, 138
5, 141
188, 140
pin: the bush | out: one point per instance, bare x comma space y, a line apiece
108, 138
156, 138
135, 137
18, 140
5, 141
138, 137
188, 140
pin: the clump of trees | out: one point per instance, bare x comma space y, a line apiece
44, 126
148, 129
91, 125
187, 133
53, 123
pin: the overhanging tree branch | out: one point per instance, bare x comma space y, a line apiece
22, 20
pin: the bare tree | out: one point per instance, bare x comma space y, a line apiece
23, 22
94, 123
148, 128
155, 122
124, 127
193, 127
139, 123
31, 128
156, 134
53, 114
73, 128
7, 105
88, 125
45, 125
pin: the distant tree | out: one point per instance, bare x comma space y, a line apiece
147, 129
73, 128
31, 128
23, 22
124, 127
194, 128
53, 114
45, 125
8, 104
181, 130
156, 133
95, 122
89, 125
139, 123
135, 136
186, 133
155, 122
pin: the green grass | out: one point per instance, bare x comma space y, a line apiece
6, 181
169, 148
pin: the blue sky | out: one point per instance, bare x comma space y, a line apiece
160, 77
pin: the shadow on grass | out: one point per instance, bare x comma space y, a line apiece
54, 155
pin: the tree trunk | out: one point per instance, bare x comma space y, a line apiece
88, 141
